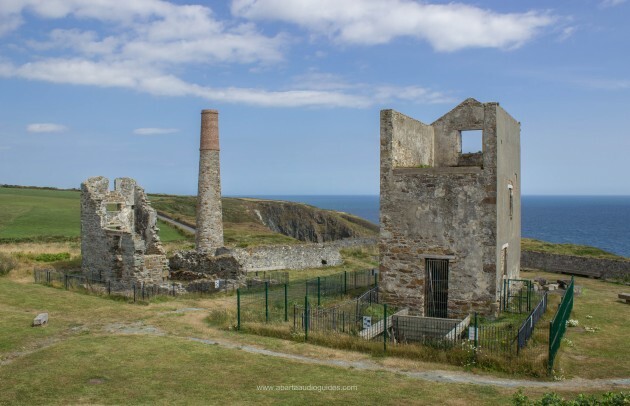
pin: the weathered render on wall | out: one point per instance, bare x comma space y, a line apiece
437, 203
119, 237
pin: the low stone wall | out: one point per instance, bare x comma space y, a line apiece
192, 265
233, 263
574, 265
302, 256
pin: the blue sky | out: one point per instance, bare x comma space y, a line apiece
113, 88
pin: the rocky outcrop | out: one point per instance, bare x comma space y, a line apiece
308, 223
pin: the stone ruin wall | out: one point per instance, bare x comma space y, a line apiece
119, 236
235, 263
437, 204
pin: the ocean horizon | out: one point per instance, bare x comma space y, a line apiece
600, 221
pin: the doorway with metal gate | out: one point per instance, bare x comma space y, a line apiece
436, 288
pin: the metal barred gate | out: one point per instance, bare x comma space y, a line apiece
436, 288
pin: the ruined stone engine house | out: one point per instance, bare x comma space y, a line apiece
119, 237
450, 221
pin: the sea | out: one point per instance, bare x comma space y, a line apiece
598, 221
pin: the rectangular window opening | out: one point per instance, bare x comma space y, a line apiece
113, 207
472, 141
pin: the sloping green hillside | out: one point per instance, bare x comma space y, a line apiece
34, 214
39, 214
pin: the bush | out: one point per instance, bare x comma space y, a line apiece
7, 263
552, 399
52, 257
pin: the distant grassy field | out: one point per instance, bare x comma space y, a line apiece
528, 244
33, 213
41, 215
50, 215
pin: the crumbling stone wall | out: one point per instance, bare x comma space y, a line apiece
574, 265
298, 256
437, 203
119, 237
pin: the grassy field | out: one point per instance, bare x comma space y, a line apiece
50, 215
528, 244
97, 350
35, 213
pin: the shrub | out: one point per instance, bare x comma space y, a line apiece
52, 257
552, 399
7, 263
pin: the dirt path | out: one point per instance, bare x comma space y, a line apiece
176, 223
442, 376
433, 375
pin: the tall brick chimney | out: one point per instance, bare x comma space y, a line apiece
209, 212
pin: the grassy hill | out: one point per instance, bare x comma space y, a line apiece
48, 215
45, 214
39, 214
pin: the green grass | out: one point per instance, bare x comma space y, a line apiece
49, 215
28, 213
528, 244
84, 362
169, 233
77, 359
603, 352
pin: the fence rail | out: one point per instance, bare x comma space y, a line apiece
144, 291
558, 325
366, 318
271, 303
527, 328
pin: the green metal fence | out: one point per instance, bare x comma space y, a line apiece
558, 325
273, 303
517, 295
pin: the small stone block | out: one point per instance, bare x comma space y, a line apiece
551, 286
40, 320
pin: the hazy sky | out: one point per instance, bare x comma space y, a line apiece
115, 88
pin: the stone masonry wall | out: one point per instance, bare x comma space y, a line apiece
209, 234
298, 256
594, 267
119, 237
440, 210
235, 263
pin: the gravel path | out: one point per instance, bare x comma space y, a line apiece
434, 375
176, 224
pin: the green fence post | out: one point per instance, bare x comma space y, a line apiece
266, 301
384, 327
238, 308
505, 293
476, 338
305, 318
318, 291
529, 296
550, 355
286, 303
345, 282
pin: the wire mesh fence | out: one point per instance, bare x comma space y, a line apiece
558, 325
367, 319
272, 303
90, 282
350, 316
